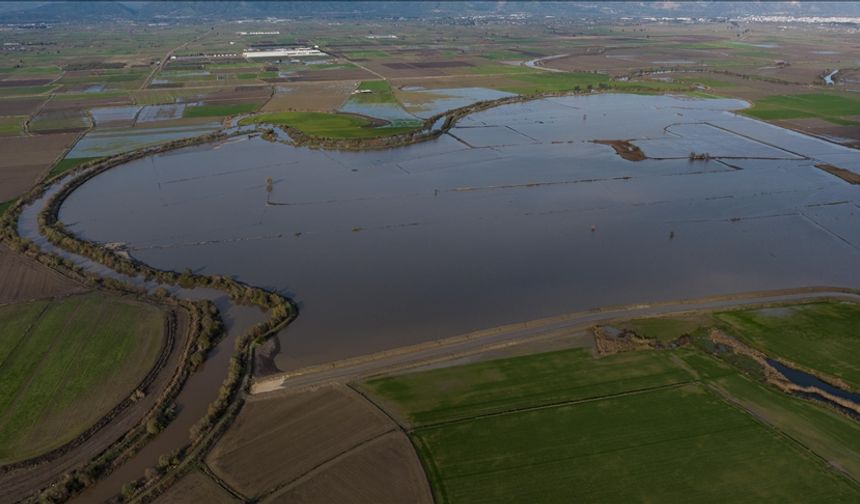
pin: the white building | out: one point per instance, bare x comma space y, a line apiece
286, 52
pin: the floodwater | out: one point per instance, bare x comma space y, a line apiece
513, 216
104, 116
107, 142
436, 101
391, 112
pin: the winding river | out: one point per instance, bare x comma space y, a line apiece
199, 390
513, 215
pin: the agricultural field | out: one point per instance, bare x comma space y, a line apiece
22, 279
665, 413
328, 125
34, 157
567, 425
493, 387
661, 444
833, 108
819, 336
12, 125
111, 343
278, 440
196, 487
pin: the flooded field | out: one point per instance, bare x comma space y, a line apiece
108, 142
426, 103
514, 215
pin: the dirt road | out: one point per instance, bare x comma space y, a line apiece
498, 337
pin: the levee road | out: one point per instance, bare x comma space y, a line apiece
435, 352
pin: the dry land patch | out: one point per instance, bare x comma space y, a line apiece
384, 471
196, 487
644, 424
22, 279
33, 156
66, 362
279, 438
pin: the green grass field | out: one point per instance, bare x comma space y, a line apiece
26, 90
12, 125
380, 93
500, 385
648, 426
832, 108
681, 444
327, 125
819, 336
367, 54
67, 164
4, 205
65, 363
219, 110
666, 329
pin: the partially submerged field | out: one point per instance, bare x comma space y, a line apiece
647, 425
66, 362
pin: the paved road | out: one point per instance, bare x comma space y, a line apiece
499, 337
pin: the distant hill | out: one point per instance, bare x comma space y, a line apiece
149, 11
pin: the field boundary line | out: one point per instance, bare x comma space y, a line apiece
422, 461
734, 402
35, 371
26, 333
441, 350
375, 405
558, 404
209, 473
313, 471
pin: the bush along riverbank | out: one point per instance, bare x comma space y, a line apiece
427, 131
221, 412
205, 328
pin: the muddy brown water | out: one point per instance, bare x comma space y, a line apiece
513, 216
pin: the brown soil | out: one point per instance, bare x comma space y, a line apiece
22, 279
280, 437
624, 148
334, 75
19, 483
384, 470
19, 106
33, 157
85, 104
428, 64
24, 82
625, 341
311, 97
846, 175
196, 487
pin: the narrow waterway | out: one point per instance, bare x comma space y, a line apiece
200, 389
804, 379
